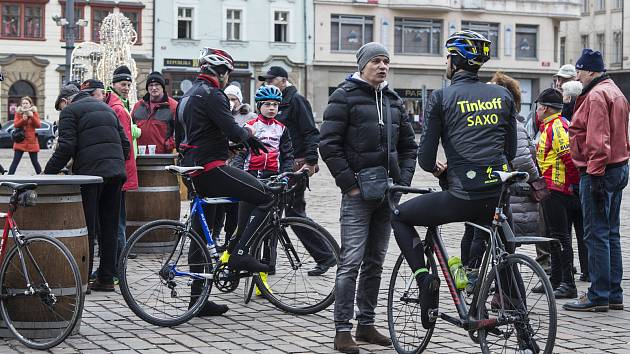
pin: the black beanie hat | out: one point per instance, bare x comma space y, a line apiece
122, 73
155, 76
550, 97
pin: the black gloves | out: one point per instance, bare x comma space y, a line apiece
597, 190
255, 145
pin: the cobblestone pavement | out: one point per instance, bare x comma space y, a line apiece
258, 327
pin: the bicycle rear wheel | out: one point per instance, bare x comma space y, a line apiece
403, 309
535, 317
290, 288
152, 284
45, 315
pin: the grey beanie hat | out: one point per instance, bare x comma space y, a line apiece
369, 51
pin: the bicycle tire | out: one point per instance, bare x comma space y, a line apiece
401, 271
531, 325
134, 273
64, 291
323, 285
248, 289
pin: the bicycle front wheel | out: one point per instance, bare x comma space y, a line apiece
157, 284
293, 249
532, 317
45, 314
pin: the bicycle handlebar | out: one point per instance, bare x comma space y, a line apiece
393, 189
276, 183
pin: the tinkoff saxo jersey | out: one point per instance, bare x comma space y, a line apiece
476, 123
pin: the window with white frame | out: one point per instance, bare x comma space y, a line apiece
281, 26
349, 33
526, 42
488, 30
418, 36
601, 43
617, 48
184, 22
584, 41
234, 19
600, 5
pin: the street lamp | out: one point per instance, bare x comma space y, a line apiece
69, 26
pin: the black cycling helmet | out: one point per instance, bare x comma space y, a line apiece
469, 45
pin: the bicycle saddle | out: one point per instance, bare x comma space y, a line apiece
19, 187
183, 170
511, 176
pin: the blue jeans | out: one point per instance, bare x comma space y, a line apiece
601, 236
365, 231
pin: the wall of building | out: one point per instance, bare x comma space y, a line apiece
20, 58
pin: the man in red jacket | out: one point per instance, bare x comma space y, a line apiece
600, 150
113, 100
155, 115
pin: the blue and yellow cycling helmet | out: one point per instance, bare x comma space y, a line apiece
470, 45
268, 93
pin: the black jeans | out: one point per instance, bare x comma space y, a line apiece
315, 247
17, 156
555, 211
101, 206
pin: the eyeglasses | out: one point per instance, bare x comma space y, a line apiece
270, 104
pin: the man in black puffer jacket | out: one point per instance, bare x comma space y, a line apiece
354, 137
91, 135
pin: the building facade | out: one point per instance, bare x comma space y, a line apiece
257, 34
524, 34
32, 57
604, 26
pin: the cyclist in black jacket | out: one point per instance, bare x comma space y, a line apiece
204, 126
476, 123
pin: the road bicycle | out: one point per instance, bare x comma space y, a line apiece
500, 313
169, 286
41, 294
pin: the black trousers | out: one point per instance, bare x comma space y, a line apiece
556, 210
101, 206
576, 222
17, 157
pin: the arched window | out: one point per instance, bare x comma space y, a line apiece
18, 90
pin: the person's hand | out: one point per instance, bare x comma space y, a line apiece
250, 130
598, 191
312, 169
256, 146
354, 192
440, 167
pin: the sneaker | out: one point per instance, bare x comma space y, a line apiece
247, 262
99, 285
263, 277
565, 291
584, 304
321, 268
210, 308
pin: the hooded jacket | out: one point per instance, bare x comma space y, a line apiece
156, 120
296, 113
476, 123
21, 120
90, 133
599, 129
354, 133
114, 102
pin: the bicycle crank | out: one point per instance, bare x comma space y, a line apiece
225, 279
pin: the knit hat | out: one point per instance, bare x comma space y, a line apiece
369, 51
590, 61
234, 90
155, 76
90, 85
567, 71
67, 90
122, 73
550, 97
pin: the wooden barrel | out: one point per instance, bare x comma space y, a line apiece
157, 197
58, 213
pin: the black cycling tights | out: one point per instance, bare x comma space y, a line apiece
432, 210
226, 181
